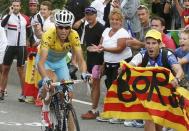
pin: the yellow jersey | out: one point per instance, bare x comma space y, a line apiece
56, 49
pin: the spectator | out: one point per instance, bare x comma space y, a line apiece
3, 44
93, 33
17, 25
183, 11
113, 44
153, 49
158, 23
144, 18
131, 22
163, 8
33, 7
99, 5
78, 8
183, 56
107, 9
30, 89
45, 23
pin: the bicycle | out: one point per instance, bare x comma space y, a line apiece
62, 112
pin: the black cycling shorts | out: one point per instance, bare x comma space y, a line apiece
18, 52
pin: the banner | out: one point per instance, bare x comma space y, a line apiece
146, 93
32, 76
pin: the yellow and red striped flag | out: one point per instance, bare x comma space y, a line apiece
146, 93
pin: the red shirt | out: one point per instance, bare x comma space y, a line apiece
168, 41
185, 15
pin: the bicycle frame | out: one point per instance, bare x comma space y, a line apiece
61, 105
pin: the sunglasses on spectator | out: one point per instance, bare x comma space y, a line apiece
64, 27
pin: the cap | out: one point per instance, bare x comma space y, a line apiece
154, 34
33, 2
90, 10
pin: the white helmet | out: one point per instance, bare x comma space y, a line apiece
64, 18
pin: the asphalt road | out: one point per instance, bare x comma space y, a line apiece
16, 116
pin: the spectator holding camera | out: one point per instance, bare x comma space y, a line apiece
183, 11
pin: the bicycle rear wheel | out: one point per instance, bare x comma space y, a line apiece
70, 121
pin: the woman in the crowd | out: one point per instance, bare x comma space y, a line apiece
113, 44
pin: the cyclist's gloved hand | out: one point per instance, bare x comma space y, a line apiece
85, 76
46, 81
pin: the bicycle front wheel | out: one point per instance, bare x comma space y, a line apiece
70, 121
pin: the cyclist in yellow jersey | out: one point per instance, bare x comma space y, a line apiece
55, 44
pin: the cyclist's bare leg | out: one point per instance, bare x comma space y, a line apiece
95, 93
149, 126
46, 103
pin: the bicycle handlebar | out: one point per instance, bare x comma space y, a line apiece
65, 82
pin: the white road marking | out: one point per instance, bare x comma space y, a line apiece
34, 124
82, 102
3, 112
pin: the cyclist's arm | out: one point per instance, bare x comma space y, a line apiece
80, 59
41, 64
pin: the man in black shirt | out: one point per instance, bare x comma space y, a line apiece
77, 7
93, 33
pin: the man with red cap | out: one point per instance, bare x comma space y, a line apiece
33, 7
30, 90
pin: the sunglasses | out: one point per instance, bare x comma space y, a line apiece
64, 27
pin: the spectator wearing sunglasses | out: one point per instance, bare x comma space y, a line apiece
93, 33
